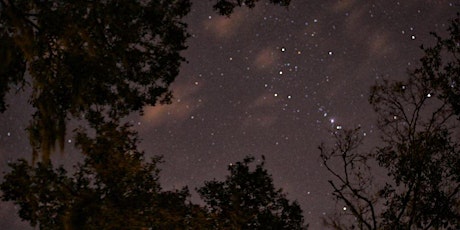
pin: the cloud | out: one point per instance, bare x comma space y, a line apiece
184, 103
261, 112
263, 101
344, 5
261, 120
379, 44
265, 58
223, 26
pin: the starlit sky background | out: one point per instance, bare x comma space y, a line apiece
268, 81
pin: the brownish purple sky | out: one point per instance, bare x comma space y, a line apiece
269, 81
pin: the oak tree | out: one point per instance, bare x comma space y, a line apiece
113, 188
97, 62
110, 57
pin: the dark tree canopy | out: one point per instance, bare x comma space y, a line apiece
247, 199
418, 119
110, 57
83, 57
441, 68
99, 61
114, 188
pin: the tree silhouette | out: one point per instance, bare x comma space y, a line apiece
352, 182
95, 61
114, 188
418, 119
247, 199
109, 57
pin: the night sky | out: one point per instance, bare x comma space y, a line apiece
268, 81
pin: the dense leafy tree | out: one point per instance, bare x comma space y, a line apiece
114, 188
97, 61
418, 119
111, 57
247, 199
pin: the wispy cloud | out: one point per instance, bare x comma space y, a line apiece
184, 103
222, 26
261, 112
265, 58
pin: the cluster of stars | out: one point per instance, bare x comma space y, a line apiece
312, 76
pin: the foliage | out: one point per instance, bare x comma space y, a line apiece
97, 61
110, 57
418, 119
114, 188
11, 68
247, 199
440, 66
41, 192
226, 7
